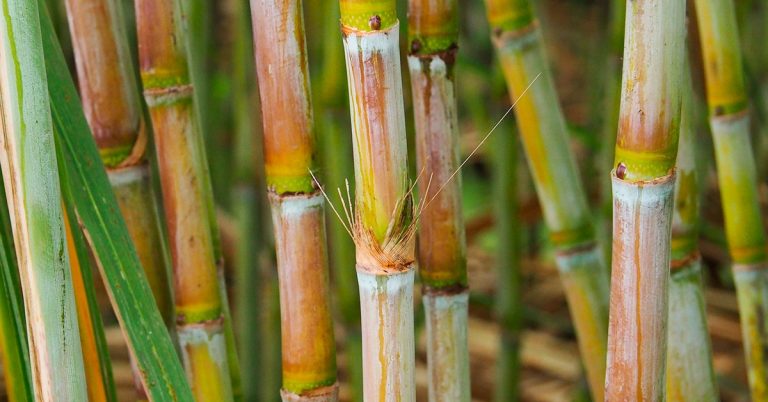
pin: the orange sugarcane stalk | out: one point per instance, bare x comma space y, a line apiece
298, 216
643, 186
112, 107
433, 37
186, 197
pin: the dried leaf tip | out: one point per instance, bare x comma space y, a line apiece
395, 253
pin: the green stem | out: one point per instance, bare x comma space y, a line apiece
509, 308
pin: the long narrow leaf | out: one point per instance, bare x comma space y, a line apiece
34, 202
13, 335
101, 385
106, 232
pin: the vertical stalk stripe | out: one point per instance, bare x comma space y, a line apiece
586, 284
194, 267
751, 282
386, 308
638, 320
737, 176
382, 219
643, 190
690, 374
308, 346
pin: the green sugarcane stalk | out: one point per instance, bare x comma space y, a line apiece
545, 140
31, 181
736, 171
690, 375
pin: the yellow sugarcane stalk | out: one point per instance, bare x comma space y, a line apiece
690, 375
736, 172
544, 135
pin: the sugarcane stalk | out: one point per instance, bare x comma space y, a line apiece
196, 25
111, 103
30, 174
690, 375
382, 220
643, 184
736, 172
544, 135
186, 197
433, 37
308, 349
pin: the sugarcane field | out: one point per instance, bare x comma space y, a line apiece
384, 200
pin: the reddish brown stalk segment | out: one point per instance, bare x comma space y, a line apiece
308, 346
441, 232
309, 359
194, 268
105, 75
433, 33
288, 139
186, 198
638, 311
